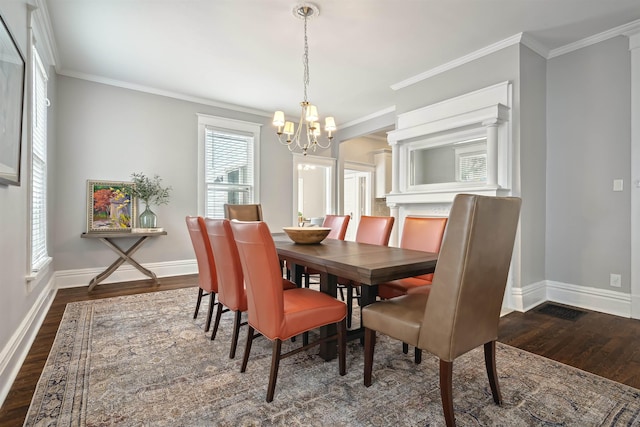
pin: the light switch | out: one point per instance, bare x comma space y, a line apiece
618, 184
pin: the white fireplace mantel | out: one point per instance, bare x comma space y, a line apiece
484, 114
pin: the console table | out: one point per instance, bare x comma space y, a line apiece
108, 238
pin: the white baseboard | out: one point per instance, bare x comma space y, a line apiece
635, 302
15, 352
602, 300
126, 273
529, 296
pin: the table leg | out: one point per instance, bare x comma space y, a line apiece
123, 256
297, 272
329, 285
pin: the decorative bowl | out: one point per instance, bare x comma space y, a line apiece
307, 235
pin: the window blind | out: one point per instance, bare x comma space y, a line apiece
473, 167
39, 253
229, 166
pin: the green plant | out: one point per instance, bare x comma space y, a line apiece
149, 190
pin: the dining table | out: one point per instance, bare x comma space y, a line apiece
368, 265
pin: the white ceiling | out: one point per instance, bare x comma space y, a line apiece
249, 52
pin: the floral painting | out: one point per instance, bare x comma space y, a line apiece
111, 207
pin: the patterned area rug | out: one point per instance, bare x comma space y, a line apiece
142, 360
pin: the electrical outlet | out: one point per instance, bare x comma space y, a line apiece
615, 280
618, 185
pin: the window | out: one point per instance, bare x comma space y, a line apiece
39, 255
228, 153
471, 163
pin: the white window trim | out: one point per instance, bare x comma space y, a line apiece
205, 120
34, 272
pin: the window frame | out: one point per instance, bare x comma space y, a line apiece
38, 73
231, 126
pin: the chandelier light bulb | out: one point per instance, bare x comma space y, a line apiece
329, 124
289, 128
278, 119
312, 113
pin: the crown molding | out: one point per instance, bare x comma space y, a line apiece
622, 30
515, 39
369, 117
161, 92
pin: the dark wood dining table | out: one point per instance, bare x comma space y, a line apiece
370, 265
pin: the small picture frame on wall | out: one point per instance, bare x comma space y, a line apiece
110, 206
12, 76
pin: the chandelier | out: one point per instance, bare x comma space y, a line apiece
304, 137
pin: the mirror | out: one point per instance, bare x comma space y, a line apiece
459, 162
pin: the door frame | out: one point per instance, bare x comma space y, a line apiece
329, 164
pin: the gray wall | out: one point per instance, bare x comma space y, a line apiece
528, 135
531, 160
19, 297
589, 133
107, 133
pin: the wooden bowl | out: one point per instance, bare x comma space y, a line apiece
307, 235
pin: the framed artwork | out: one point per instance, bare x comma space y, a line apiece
12, 76
110, 206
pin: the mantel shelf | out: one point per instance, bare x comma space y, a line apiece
442, 196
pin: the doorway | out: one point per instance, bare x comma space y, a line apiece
358, 195
313, 187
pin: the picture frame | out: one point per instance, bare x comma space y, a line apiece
12, 90
110, 206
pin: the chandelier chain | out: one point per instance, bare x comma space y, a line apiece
306, 59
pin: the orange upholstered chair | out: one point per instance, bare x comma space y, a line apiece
420, 234
374, 230
232, 293
462, 311
338, 225
276, 314
207, 276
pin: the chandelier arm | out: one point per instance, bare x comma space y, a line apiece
323, 146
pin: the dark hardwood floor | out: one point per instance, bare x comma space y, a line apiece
605, 345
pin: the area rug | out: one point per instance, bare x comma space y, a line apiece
142, 360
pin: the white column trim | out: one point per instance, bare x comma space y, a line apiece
634, 48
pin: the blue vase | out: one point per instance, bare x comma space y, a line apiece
147, 219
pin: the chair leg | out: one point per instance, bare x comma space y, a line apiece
349, 305
405, 348
200, 292
305, 338
492, 373
417, 356
341, 289
369, 347
217, 322
306, 279
247, 349
342, 346
446, 391
275, 364
236, 332
212, 302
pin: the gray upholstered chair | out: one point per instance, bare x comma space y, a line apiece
462, 310
251, 212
